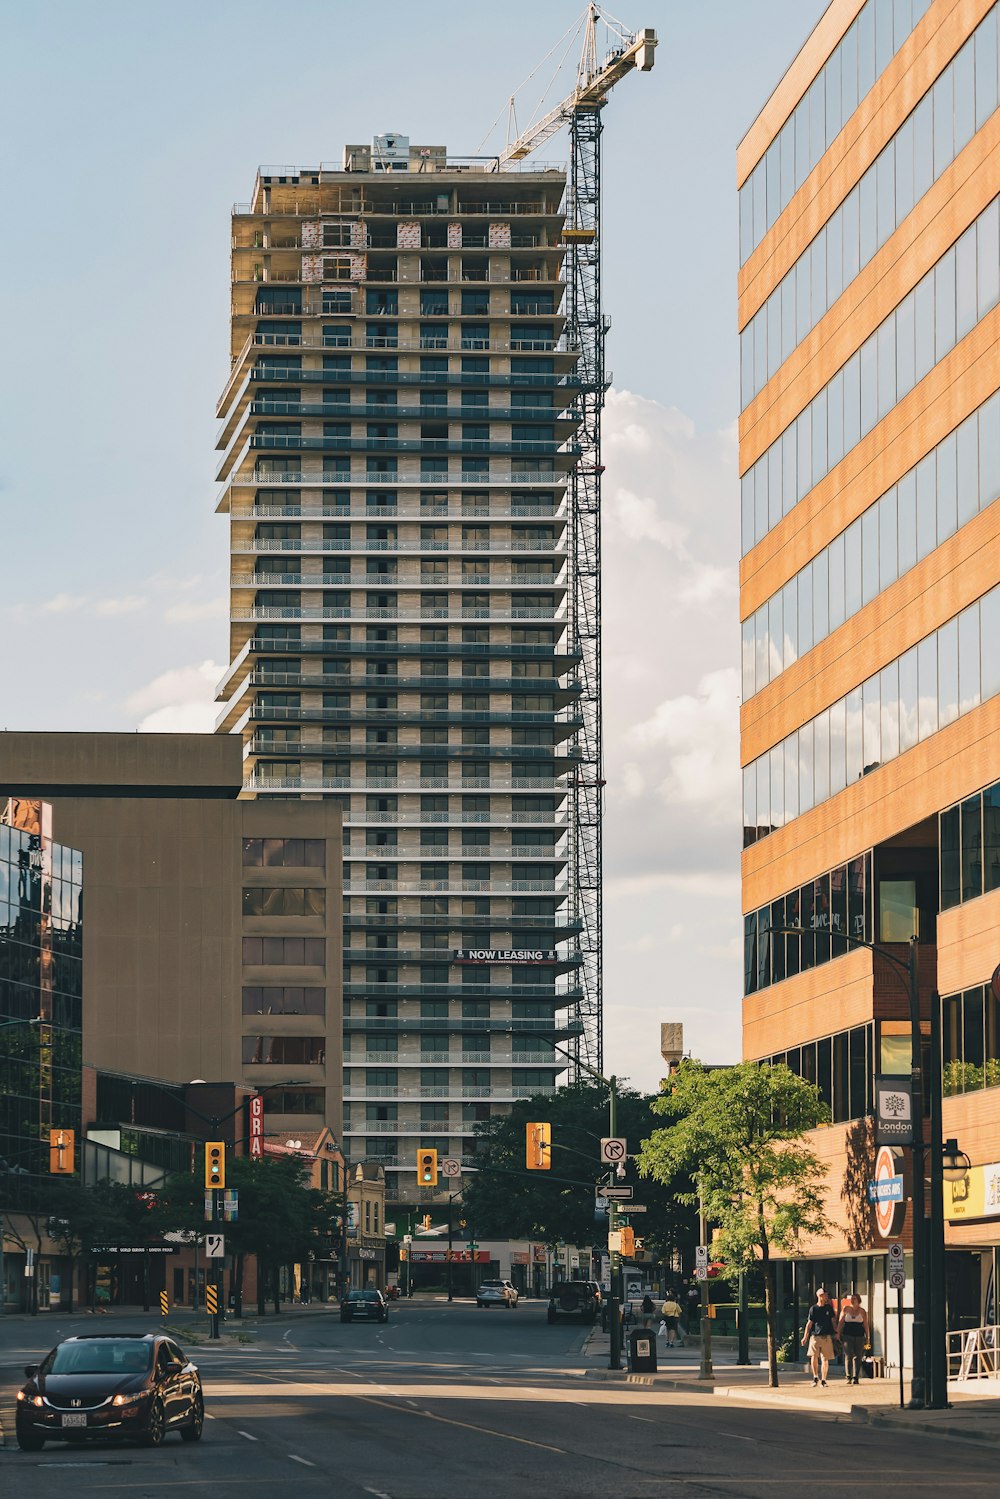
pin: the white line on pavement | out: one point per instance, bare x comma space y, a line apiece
247, 1435
303, 1460
379, 1493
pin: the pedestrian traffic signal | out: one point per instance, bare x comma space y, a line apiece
215, 1163
426, 1221
427, 1168
538, 1146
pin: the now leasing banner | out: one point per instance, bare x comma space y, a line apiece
504, 955
975, 1195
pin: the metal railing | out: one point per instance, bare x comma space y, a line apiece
974, 1353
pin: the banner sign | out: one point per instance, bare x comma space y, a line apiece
504, 955
893, 1111
257, 1125
440, 1256
887, 1197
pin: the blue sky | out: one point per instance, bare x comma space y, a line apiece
128, 130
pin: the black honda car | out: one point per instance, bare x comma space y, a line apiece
110, 1385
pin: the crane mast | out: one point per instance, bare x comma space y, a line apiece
586, 330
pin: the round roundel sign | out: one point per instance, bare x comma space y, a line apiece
887, 1193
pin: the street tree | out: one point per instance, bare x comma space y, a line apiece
737, 1131
81, 1217
281, 1218
502, 1199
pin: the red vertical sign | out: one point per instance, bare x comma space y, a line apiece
257, 1124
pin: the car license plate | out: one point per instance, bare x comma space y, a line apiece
75, 1420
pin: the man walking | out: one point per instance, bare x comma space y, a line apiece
819, 1336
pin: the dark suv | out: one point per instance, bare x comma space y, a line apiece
572, 1298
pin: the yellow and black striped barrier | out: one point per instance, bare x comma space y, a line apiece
212, 1300
164, 1304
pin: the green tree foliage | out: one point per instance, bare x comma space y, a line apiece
106, 1213
504, 1200
737, 1131
281, 1218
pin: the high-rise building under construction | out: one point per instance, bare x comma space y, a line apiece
399, 431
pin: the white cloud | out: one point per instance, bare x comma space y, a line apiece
186, 613
179, 701
671, 715
110, 608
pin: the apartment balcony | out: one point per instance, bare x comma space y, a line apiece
406, 581
498, 508
297, 784
494, 819
418, 616
339, 411
260, 441
456, 887
358, 1024
268, 545
259, 713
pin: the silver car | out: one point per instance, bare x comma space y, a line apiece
496, 1293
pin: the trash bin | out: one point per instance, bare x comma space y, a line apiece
642, 1351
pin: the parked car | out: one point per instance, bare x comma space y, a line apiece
496, 1293
572, 1298
137, 1385
368, 1305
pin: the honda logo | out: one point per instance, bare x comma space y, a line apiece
76, 1403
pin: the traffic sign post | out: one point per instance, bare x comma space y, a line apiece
215, 1246
613, 1149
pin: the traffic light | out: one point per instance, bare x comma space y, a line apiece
61, 1144
215, 1163
538, 1146
628, 1243
427, 1168
426, 1221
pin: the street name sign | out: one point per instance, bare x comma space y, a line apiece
634, 1207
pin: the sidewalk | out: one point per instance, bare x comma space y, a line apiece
973, 1415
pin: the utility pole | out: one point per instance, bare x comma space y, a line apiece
706, 1371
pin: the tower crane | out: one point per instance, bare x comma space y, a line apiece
586, 330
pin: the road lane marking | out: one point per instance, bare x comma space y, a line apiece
734, 1436
247, 1435
378, 1493
303, 1460
643, 1418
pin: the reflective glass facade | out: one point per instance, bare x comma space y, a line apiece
41, 997
956, 105
876, 35
951, 484
944, 676
945, 305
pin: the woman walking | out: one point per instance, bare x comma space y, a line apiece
853, 1333
671, 1312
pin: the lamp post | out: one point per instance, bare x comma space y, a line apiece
921, 1287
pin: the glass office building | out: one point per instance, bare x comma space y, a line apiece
41, 997
398, 434
869, 316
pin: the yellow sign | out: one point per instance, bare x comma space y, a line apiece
211, 1300
975, 1195
164, 1304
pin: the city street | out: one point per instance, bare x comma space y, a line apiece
448, 1402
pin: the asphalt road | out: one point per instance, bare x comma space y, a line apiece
448, 1402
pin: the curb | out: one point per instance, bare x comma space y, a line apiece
865, 1416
